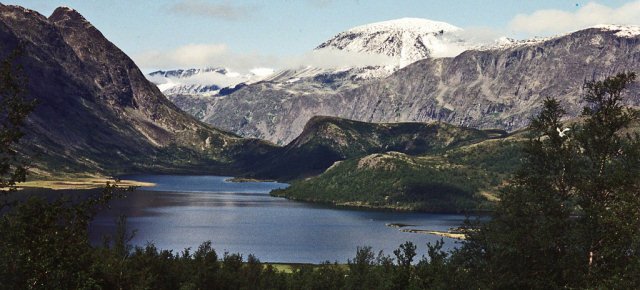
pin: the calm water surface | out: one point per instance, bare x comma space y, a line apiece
184, 211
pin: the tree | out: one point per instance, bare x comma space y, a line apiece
14, 109
43, 244
524, 245
569, 218
404, 270
608, 194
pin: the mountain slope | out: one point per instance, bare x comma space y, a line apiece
96, 111
456, 179
326, 140
500, 87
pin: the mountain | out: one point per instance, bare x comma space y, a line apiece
359, 55
96, 112
203, 82
487, 87
405, 40
461, 176
326, 140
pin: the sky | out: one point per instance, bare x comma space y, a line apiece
164, 34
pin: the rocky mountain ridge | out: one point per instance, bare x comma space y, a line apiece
96, 112
496, 87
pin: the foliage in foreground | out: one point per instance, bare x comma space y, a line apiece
45, 245
570, 218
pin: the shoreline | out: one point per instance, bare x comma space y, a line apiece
445, 234
247, 179
385, 208
80, 183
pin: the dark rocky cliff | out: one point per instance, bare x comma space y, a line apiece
96, 111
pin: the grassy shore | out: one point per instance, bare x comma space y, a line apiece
291, 267
79, 183
446, 234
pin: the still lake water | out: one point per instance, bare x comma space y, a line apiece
184, 211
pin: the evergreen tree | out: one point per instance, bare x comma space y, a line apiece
570, 216
525, 244
608, 191
14, 109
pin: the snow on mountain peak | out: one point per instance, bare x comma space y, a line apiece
405, 39
418, 25
627, 31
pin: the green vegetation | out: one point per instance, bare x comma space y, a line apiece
14, 109
570, 217
329, 139
463, 178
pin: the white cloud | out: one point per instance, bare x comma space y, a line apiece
219, 55
184, 56
475, 35
225, 10
262, 71
551, 21
201, 55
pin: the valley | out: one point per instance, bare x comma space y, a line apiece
380, 162
243, 145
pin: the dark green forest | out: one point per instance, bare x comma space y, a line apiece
569, 218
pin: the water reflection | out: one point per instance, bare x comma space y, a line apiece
184, 211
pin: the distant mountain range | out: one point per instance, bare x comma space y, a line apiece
498, 85
380, 49
203, 82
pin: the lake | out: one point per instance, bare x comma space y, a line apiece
184, 211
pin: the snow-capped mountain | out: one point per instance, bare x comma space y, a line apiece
203, 81
399, 42
406, 40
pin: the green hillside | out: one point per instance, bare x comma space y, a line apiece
464, 178
326, 140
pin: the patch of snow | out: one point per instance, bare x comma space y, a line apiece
506, 43
202, 81
627, 31
67, 8
262, 71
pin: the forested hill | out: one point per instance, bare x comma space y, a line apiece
326, 140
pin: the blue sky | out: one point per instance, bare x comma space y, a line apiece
267, 31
